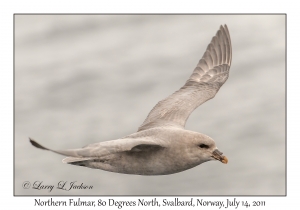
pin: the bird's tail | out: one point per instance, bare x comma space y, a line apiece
76, 160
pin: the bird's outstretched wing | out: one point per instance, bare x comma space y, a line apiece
210, 74
94, 151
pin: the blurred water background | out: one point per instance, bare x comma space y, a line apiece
81, 79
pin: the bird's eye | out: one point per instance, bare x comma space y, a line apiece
204, 146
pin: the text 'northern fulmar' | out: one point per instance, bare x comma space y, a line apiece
162, 145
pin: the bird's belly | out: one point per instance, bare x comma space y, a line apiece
143, 163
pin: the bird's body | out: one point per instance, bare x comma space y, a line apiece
155, 151
162, 145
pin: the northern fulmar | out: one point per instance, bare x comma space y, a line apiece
162, 145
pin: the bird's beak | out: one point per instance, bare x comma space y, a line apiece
218, 156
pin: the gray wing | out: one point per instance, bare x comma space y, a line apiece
105, 148
210, 74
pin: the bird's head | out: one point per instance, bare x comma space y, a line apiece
205, 149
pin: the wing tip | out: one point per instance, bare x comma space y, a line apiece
226, 35
37, 145
224, 27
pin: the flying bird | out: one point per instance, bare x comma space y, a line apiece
162, 145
